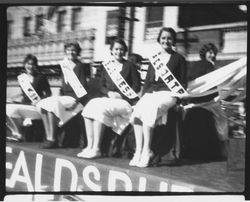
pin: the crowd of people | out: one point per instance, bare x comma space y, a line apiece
120, 102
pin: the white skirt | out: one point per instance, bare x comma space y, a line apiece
57, 105
22, 111
114, 113
152, 108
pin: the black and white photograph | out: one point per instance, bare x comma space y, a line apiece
125, 99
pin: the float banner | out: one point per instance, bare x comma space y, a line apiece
166, 75
32, 169
70, 77
28, 88
118, 80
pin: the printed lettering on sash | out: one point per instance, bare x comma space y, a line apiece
166, 75
28, 88
71, 78
118, 80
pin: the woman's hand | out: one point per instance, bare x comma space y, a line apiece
113, 94
71, 106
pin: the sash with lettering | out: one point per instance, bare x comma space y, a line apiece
28, 88
160, 65
70, 77
118, 80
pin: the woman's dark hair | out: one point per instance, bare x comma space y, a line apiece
167, 29
75, 44
31, 57
207, 47
120, 41
135, 58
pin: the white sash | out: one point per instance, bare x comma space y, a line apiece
118, 80
70, 77
28, 88
166, 75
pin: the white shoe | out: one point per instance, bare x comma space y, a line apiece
83, 152
17, 135
145, 159
90, 154
135, 160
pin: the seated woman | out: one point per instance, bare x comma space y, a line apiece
208, 54
120, 83
160, 93
57, 111
34, 87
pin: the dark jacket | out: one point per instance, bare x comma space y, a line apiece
66, 89
201, 68
131, 76
41, 86
176, 64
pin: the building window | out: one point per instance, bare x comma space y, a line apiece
112, 25
154, 21
61, 23
27, 27
39, 22
76, 19
9, 28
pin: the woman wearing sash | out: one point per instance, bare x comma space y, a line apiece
57, 111
120, 82
22, 106
157, 97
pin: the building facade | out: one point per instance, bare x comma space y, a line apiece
43, 30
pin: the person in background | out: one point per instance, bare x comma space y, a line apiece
20, 107
58, 111
208, 53
152, 108
114, 108
136, 59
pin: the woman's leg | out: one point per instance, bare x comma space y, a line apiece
46, 124
147, 136
52, 125
138, 143
98, 134
138, 138
94, 131
89, 127
14, 119
146, 154
13, 124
